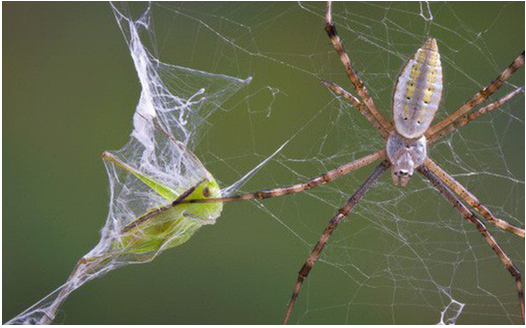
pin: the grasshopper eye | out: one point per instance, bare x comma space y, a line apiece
206, 192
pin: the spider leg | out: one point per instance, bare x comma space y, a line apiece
472, 218
358, 84
463, 120
478, 98
469, 198
319, 180
358, 105
333, 223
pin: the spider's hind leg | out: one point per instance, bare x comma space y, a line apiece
472, 218
469, 198
333, 224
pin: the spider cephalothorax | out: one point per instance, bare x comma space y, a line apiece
405, 156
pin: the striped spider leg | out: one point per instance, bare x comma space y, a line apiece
463, 120
324, 178
333, 224
453, 123
358, 84
360, 106
478, 98
472, 218
469, 198
276, 192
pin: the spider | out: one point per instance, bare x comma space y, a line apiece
416, 99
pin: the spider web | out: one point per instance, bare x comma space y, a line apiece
404, 255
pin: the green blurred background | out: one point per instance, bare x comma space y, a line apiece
70, 90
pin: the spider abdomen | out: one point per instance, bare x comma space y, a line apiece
418, 91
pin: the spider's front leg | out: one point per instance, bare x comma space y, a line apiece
276, 192
357, 83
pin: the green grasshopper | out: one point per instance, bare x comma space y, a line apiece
170, 225
143, 238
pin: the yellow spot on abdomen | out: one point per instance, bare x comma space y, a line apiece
415, 72
428, 94
410, 89
431, 75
